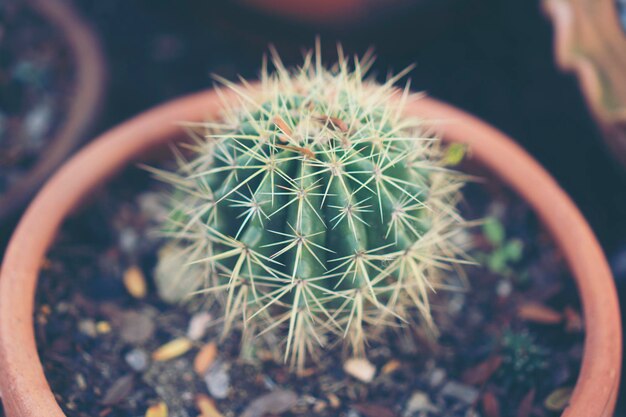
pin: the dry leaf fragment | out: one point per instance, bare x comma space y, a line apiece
526, 405
334, 123
306, 152
539, 313
135, 282
205, 358
282, 125
482, 372
558, 399
207, 406
491, 405
172, 349
157, 410
573, 320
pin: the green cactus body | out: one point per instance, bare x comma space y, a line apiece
316, 207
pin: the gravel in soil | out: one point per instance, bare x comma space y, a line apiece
509, 346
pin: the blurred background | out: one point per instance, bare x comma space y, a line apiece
493, 58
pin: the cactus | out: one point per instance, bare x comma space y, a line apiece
315, 207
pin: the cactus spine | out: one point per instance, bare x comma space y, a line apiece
315, 207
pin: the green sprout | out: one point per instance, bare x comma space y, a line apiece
523, 360
505, 251
315, 208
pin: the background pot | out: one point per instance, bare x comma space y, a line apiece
590, 40
25, 391
87, 95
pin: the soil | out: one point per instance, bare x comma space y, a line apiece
36, 76
509, 346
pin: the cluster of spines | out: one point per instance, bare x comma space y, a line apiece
316, 207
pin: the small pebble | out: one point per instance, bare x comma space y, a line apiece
136, 327
504, 288
137, 359
419, 402
437, 376
276, 402
360, 369
198, 325
88, 327
128, 240
218, 381
460, 392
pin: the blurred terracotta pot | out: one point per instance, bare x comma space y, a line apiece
590, 40
25, 391
87, 96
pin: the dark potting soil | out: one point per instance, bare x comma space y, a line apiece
509, 346
35, 78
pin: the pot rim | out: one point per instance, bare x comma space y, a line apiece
25, 390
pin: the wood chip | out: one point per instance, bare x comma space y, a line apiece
157, 410
360, 368
481, 373
390, 367
491, 405
173, 349
539, 313
333, 400
207, 406
526, 405
205, 358
135, 282
558, 399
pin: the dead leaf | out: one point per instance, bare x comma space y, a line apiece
205, 358
558, 399
573, 320
207, 406
173, 349
282, 125
157, 410
481, 373
491, 405
539, 313
306, 152
334, 123
525, 407
373, 410
135, 282
120, 389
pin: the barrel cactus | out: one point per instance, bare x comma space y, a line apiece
315, 209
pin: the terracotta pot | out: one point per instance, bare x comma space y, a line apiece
88, 93
590, 40
25, 391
